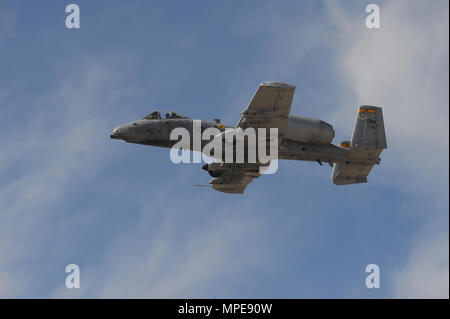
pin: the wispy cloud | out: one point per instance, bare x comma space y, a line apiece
45, 159
170, 256
170, 253
66, 195
425, 274
403, 67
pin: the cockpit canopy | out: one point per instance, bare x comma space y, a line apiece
157, 115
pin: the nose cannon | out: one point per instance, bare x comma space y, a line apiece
121, 132
116, 133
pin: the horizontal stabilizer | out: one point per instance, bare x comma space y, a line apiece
367, 143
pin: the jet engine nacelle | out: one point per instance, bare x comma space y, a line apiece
308, 130
214, 169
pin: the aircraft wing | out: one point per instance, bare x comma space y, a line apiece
269, 107
235, 178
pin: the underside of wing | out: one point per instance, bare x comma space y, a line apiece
235, 178
269, 107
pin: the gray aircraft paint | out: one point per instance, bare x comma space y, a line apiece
300, 138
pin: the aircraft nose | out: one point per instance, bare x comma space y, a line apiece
116, 133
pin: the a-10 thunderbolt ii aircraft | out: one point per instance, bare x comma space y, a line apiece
300, 138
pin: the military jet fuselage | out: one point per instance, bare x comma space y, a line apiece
305, 139
299, 138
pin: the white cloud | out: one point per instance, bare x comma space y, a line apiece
176, 254
403, 67
426, 272
189, 266
44, 158
62, 146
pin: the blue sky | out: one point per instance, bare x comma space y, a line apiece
132, 220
